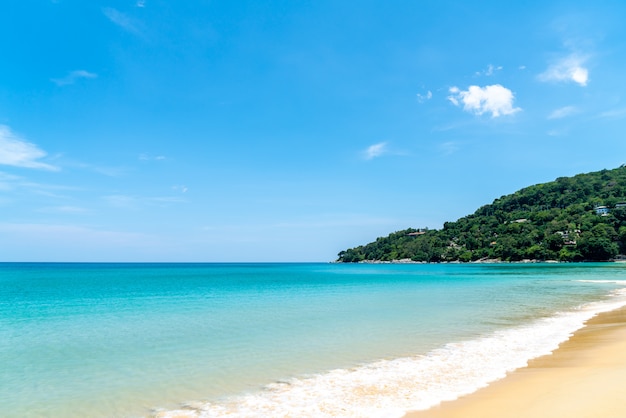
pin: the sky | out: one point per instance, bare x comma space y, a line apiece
228, 131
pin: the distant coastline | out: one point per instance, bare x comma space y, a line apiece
571, 219
482, 261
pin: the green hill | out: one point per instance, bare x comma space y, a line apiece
570, 219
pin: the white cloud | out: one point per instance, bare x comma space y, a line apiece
14, 151
141, 3
121, 20
424, 97
494, 99
375, 150
563, 112
491, 69
567, 69
180, 188
72, 77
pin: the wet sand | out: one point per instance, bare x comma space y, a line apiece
585, 377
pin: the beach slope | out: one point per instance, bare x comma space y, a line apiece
583, 378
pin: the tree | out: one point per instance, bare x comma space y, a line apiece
597, 248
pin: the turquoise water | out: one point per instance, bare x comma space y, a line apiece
128, 340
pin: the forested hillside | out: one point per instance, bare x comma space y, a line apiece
570, 219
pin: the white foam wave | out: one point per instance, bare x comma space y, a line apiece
622, 282
390, 388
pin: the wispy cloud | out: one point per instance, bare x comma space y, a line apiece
72, 77
122, 20
9, 182
17, 152
563, 112
109, 171
71, 236
165, 199
48, 190
375, 150
449, 147
557, 132
70, 210
148, 157
490, 70
141, 3
494, 99
568, 69
128, 202
424, 97
613, 114
323, 221
121, 201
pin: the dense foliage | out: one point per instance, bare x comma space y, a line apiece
570, 219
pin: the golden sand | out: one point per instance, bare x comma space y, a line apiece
585, 377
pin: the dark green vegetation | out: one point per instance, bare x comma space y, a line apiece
561, 220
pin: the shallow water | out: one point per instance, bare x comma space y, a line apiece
278, 339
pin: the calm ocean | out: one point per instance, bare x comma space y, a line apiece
130, 340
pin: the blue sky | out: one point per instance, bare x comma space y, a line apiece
158, 130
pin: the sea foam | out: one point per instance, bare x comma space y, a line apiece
390, 388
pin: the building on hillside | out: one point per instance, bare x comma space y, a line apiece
414, 234
602, 210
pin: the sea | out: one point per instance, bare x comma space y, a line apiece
279, 340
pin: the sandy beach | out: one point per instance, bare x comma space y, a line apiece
583, 378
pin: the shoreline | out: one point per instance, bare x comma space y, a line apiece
582, 378
481, 261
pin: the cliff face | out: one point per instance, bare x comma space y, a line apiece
570, 219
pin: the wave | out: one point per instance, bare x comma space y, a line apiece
621, 282
390, 388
